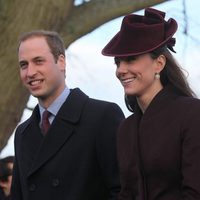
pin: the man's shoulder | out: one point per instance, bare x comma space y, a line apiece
35, 114
104, 103
81, 95
93, 103
22, 126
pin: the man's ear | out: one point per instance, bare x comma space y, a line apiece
61, 62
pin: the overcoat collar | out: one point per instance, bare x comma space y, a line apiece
159, 102
129, 144
60, 130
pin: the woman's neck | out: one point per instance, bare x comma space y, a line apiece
144, 100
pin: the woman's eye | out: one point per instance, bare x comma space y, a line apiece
117, 61
131, 58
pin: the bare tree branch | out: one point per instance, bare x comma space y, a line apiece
69, 20
88, 16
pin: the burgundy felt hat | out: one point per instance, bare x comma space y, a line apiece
142, 34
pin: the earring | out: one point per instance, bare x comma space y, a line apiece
157, 76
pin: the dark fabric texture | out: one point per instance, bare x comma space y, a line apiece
76, 160
159, 151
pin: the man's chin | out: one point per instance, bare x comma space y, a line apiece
37, 95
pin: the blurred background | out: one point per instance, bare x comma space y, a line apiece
95, 74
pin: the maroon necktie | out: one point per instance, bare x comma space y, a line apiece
45, 121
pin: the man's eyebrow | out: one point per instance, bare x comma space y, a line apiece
33, 59
37, 57
23, 61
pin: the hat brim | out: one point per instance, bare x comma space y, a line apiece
115, 48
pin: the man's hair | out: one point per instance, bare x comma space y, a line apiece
53, 40
5, 171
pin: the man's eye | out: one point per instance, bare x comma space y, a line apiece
23, 65
39, 62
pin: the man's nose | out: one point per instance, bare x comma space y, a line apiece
31, 70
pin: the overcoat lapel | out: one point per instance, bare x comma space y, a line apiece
61, 128
162, 101
31, 139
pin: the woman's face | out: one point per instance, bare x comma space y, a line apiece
137, 74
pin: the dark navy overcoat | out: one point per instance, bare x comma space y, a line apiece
76, 160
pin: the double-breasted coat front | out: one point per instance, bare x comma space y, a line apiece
159, 151
76, 160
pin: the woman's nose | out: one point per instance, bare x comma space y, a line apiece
121, 69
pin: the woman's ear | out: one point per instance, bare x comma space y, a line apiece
160, 63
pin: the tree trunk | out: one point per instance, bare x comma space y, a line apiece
72, 22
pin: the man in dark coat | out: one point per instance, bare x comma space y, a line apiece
74, 158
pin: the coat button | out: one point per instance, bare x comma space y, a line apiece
32, 187
55, 182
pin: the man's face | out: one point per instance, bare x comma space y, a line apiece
39, 72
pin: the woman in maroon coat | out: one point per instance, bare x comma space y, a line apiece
159, 144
